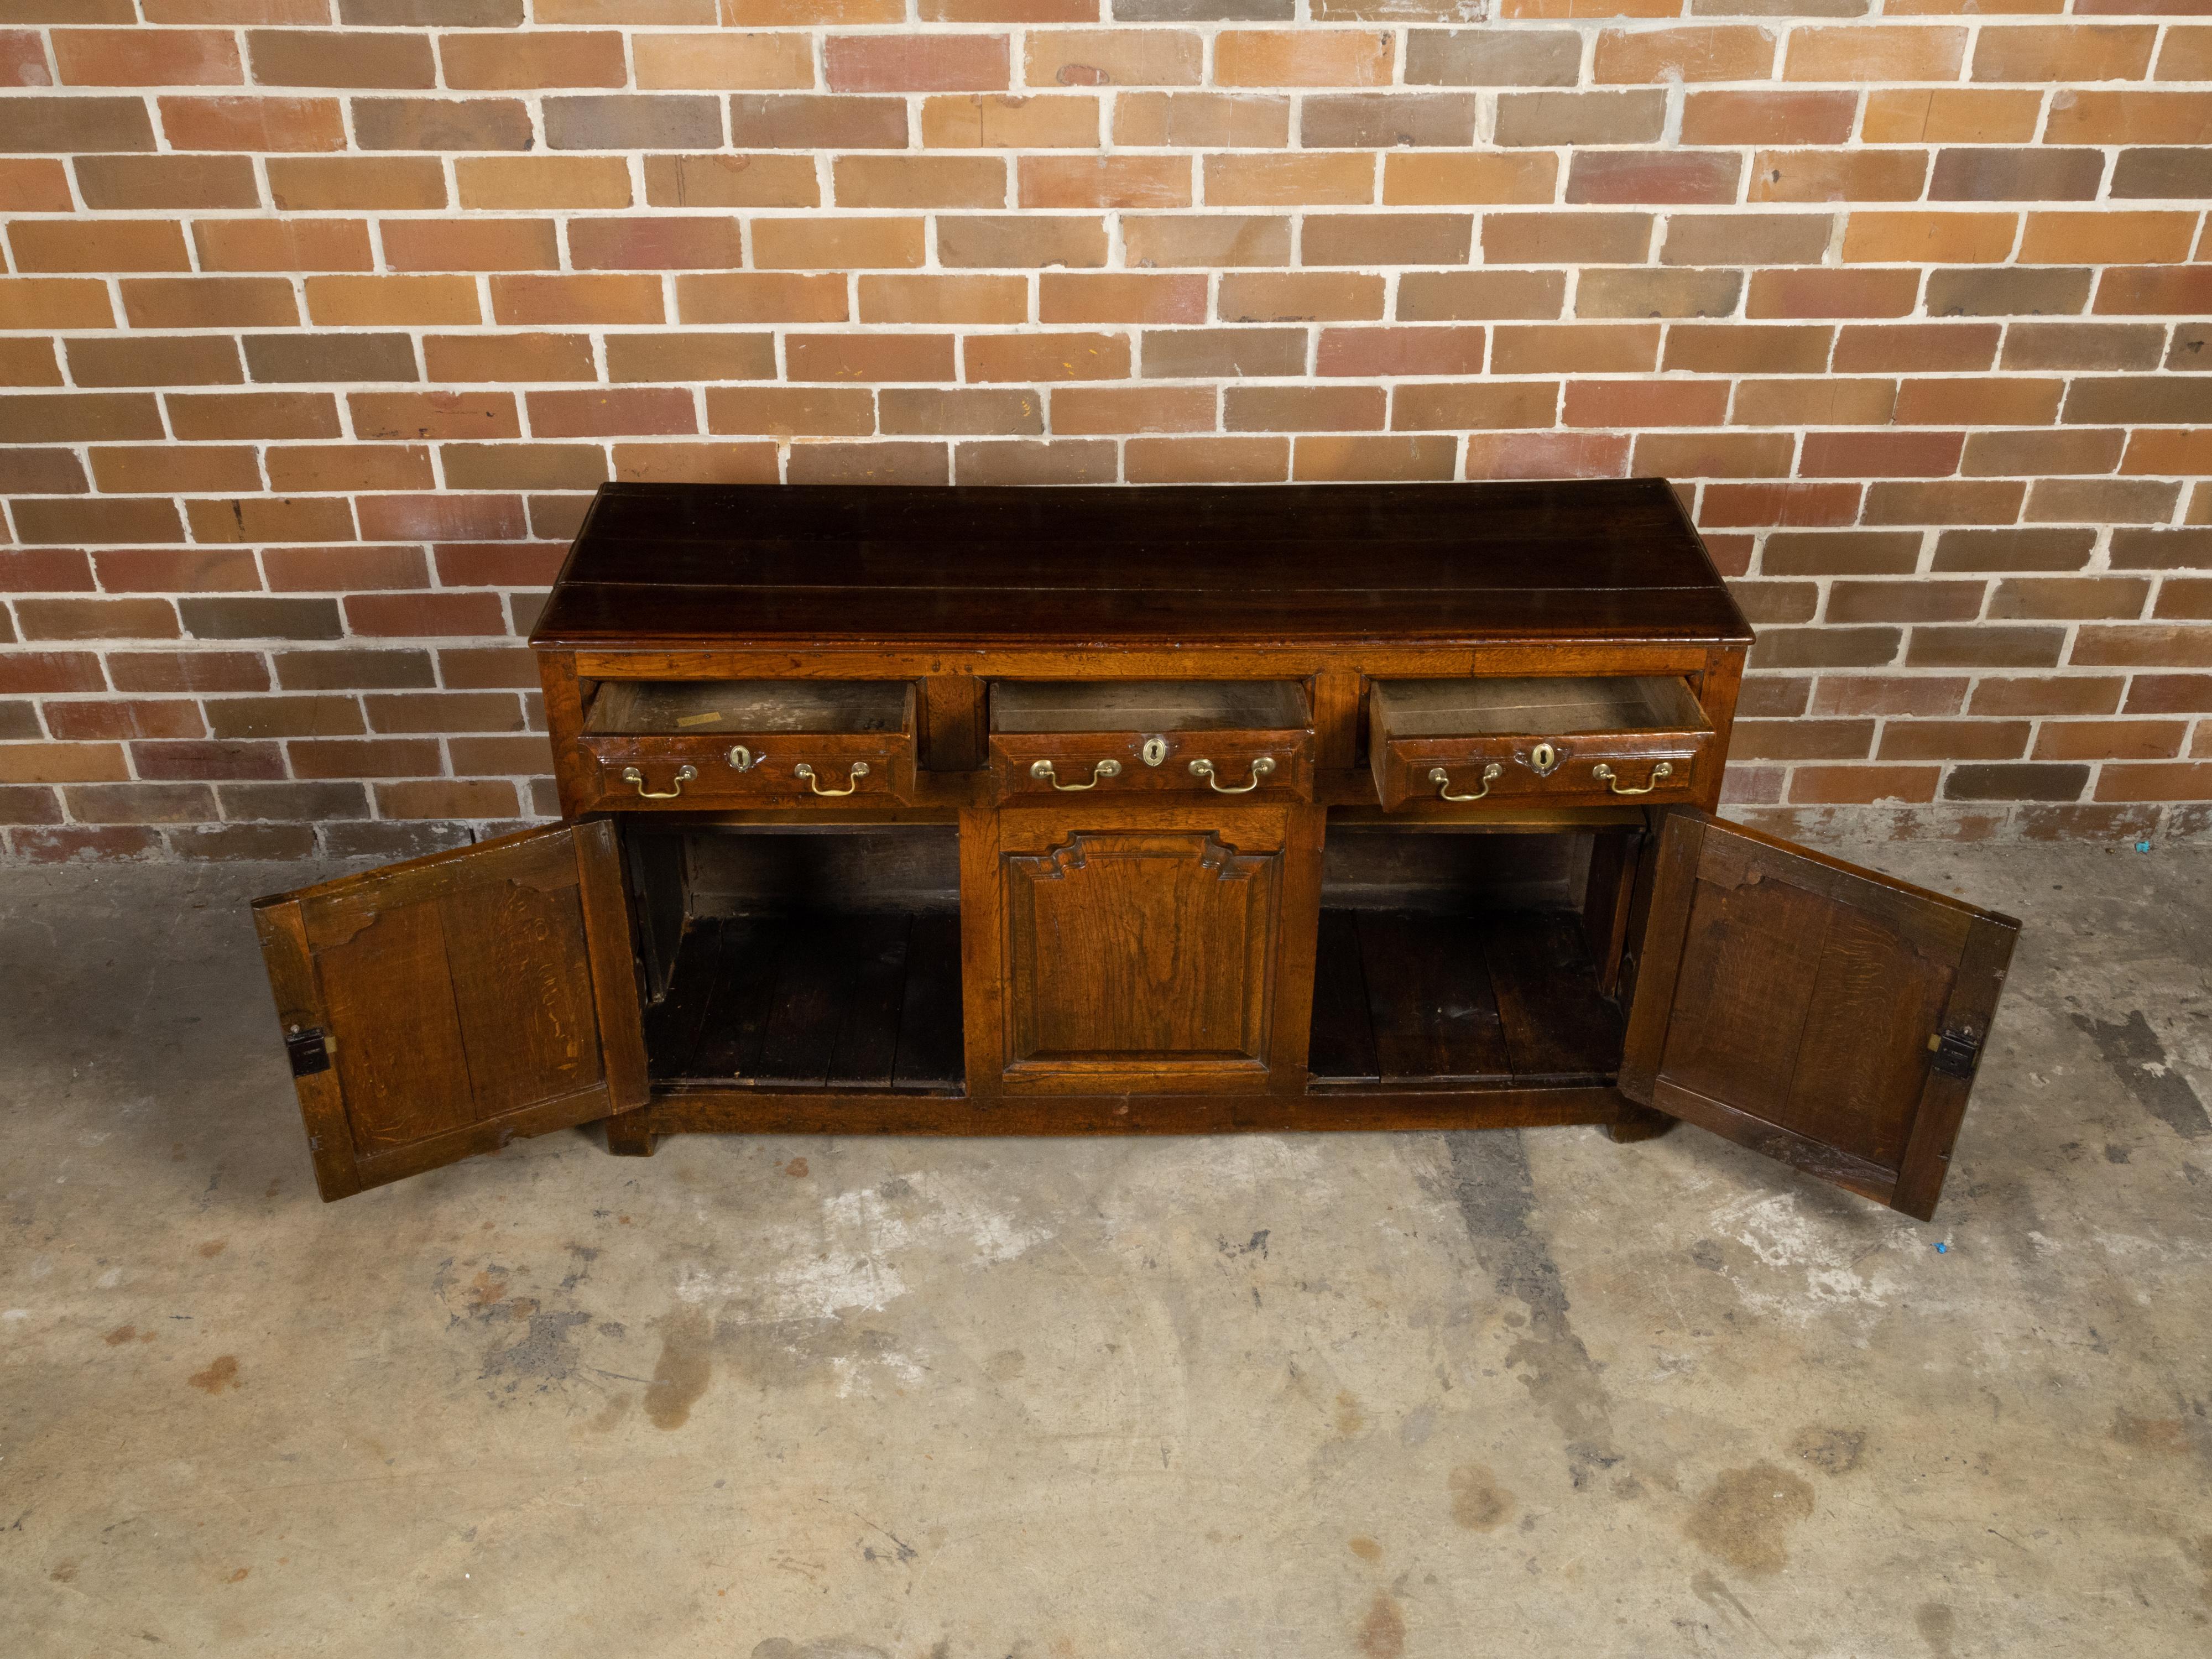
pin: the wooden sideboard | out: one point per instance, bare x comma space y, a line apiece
1107, 810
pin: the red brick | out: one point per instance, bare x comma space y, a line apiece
417, 615
524, 466
66, 520
142, 57
501, 564
74, 125
870, 463
97, 245
326, 57
915, 63
1040, 358
1479, 405
313, 468
1794, 504
1404, 459
700, 463
1645, 403
1880, 455
792, 411
1681, 176
271, 519
45, 570
1304, 409
338, 569
253, 124
1774, 118
733, 181
480, 357
643, 244
615, 411
521, 61
1117, 297
1392, 351
165, 469
96, 619
1103, 181
1206, 460
34, 186
1914, 346
1575, 348
183, 670
434, 415
1546, 455
201, 762
576, 299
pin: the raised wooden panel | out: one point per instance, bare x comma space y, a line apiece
1140, 950
445, 1006
1822, 1014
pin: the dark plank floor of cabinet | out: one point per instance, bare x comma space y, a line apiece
816, 1001
1505, 997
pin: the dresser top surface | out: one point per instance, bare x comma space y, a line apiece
676, 566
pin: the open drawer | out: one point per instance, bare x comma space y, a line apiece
1178, 737
1577, 741
680, 743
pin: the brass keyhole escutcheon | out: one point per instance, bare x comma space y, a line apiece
1154, 751
1543, 758
743, 759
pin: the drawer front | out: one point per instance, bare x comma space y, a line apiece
1266, 766
1586, 768
782, 768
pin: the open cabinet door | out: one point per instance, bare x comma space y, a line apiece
444, 1007
1819, 1013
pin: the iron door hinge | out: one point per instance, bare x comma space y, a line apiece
1954, 1054
309, 1051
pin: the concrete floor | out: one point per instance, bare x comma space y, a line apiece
1365, 1396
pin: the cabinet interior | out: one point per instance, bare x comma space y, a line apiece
1454, 956
1147, 705
704, 707
800, 956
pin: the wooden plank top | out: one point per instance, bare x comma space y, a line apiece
668, 566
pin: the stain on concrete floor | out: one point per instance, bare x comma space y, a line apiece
1381, 1397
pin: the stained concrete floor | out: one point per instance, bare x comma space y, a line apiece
1364, 1396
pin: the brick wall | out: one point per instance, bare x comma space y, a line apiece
321, 318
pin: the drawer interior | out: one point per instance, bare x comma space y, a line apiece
1482, 707
1148, 705
706, 708
801, 957
1450, 957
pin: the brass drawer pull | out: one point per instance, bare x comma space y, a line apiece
683, 775
803, 771
1204, 768
1603, 774
1442, 779
1105, 768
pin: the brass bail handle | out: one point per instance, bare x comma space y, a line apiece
1105, 768
1204, 768
1442, 779
803, 771
683, 775
1604, 775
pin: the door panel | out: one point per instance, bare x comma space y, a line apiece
1144, 948
1822, 1014
445, 1006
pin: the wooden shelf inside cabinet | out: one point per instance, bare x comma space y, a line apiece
1122, 809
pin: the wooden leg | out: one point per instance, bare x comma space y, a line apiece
629, 1137
1643, 1125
